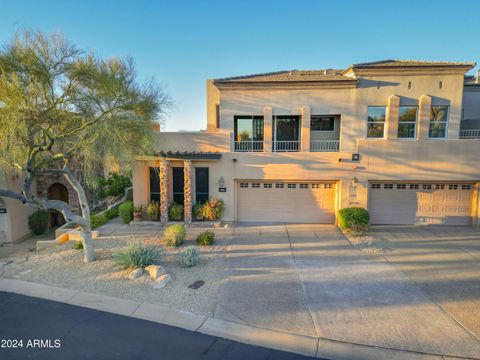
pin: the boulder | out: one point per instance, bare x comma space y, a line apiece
154, 271
162, 281
136, 273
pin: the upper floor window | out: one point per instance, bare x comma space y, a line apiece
322, 123
248, 132
407, 122
376, 121
286, 133
438, 122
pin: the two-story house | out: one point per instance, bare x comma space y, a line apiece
401, 138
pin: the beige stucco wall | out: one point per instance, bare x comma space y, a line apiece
14, 224
381, 159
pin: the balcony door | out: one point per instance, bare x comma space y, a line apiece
286, 133
248, 133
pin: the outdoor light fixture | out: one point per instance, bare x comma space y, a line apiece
354, 181
221, 182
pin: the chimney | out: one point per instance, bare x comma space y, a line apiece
156, 127
329, 72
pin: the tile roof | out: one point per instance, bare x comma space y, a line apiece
404, 63
290, 76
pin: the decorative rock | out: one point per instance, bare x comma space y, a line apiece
162, 281
155, 271
136, 273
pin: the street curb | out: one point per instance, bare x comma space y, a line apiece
294, 343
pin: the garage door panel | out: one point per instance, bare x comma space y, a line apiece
311, 203
420, 204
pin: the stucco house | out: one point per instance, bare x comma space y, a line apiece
401, 138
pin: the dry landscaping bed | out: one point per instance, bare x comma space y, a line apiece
63, 266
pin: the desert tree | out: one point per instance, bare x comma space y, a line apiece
65, 111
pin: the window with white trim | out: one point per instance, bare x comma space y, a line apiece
244, 185
292, 186
279, 186
328, 186
376, 121
427, 186
255, 185
413, 186
267, 186
388, 186
401, 186
466, 187
438, 122
303, 186
407, 122
376, 186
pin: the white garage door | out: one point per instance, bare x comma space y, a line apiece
295, 202
420, 203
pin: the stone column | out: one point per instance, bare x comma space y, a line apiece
267, 129
391, 121
187, 195
164, 187
305, 132
424, 108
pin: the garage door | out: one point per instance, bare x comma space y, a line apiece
296, 202
420, 203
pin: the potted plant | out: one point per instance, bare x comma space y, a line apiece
137, 213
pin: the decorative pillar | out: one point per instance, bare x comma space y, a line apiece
424, 109
267, 129
391, 120
164, 187
187, 200
305, 129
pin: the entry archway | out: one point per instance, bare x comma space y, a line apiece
57, 191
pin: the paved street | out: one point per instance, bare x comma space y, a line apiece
90, 334
308, 279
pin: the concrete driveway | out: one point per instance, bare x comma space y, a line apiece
423, 295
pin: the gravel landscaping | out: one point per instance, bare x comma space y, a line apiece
63, 266
368, 243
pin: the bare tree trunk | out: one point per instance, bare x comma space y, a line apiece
88, 253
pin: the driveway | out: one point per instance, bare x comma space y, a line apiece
421, 296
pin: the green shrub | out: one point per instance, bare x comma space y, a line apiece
135, 256
213, 209
114, 185
78, 245
190, 257
354, 219
111, 213
153, 210
197, 211
206, 238
38, 221
98, 220
125, 210
175, 213
174, 235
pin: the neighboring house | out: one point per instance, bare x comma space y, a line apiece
13, 214
401, 138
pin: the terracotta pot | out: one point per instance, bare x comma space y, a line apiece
137, 216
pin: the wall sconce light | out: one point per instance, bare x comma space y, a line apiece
221, 181
354, 182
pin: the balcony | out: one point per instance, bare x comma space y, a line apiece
248, 146
470, 134
286, 146
325, 145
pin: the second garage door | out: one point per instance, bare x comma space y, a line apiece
295, 202
420, 203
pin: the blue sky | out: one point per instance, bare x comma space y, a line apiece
183, 43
